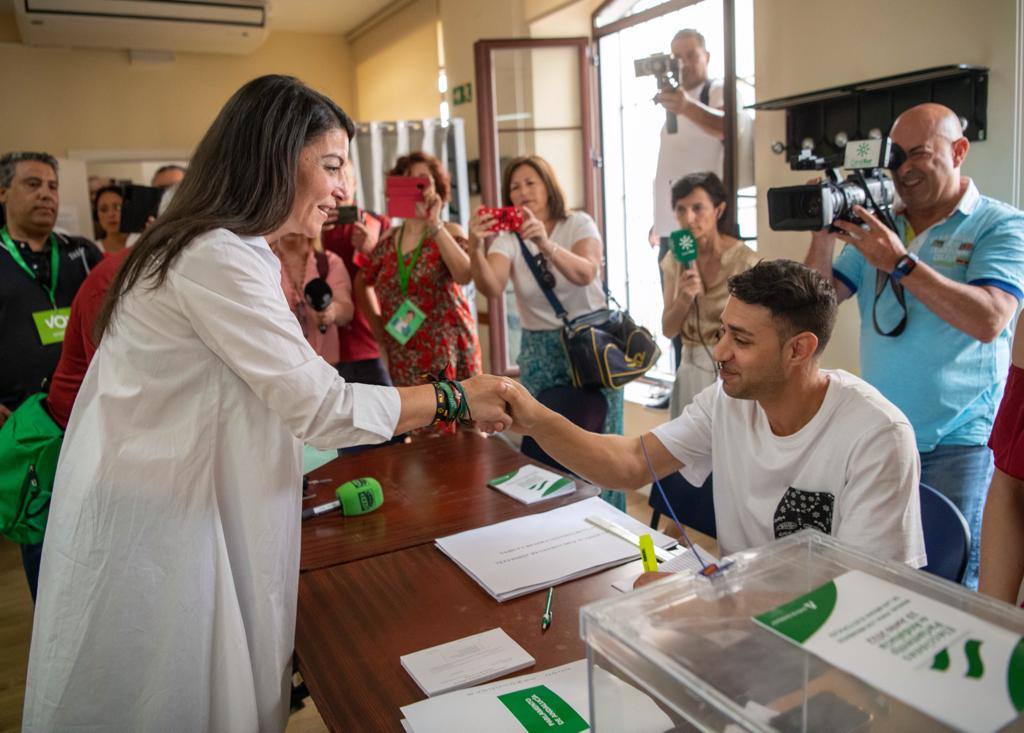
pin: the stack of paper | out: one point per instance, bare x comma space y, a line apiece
556, 699
465, 662
530, 484
517, 557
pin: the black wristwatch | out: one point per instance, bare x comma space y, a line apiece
904, 266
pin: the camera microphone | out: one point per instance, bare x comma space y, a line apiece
319, 295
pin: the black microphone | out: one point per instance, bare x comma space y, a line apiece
319, 295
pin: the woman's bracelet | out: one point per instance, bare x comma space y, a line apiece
450, 402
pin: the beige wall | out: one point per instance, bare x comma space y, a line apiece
800, 51
396, 66
97, 100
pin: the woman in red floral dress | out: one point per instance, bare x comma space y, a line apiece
415, 306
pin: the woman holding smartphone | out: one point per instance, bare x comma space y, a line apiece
409, 287
567, 247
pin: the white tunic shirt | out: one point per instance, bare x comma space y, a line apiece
851, 472
170, 569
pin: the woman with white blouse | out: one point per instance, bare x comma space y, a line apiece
566, 245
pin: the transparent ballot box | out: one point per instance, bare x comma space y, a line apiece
805, 634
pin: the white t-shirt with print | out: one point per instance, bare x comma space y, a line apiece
852, 471
535, 311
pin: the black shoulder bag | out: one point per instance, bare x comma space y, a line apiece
605, 348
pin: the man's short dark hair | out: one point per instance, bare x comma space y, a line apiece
10, 160
799, 298
691, 33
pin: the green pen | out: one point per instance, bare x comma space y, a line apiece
545, 620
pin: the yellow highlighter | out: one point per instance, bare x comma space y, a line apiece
647, 554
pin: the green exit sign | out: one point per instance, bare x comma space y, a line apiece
462, 94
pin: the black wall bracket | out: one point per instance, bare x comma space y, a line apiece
868, 108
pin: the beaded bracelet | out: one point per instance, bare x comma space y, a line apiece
451, 402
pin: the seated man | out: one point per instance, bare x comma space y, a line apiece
791, 445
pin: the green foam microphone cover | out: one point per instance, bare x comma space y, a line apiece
359, 496
684, 246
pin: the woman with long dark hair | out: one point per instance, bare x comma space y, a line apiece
107, 214
170, 568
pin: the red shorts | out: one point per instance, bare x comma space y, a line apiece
1007, 441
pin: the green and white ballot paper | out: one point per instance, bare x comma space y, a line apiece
961, 670
530, 484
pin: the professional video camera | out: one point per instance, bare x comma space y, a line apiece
665, 69
817, 206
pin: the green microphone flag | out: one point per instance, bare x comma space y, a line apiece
684, 246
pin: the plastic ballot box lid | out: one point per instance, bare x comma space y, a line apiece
807, 634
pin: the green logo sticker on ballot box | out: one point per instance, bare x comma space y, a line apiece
539, 709
950, 665
51, 325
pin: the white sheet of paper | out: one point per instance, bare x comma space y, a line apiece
683, 562
480, 709
530, 484
525, 554
465, 662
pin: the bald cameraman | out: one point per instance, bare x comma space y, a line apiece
957, 261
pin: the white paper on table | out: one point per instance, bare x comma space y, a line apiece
464, 662
525, 554
685, 561
530, 484
479, 708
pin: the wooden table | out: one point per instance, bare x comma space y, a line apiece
355, 621
432, 488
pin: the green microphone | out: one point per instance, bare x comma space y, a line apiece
355, 497
684, 247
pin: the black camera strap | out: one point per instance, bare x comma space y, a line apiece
881, 278
549, 293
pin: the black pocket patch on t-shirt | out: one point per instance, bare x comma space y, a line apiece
802, 509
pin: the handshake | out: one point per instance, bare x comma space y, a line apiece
503, 219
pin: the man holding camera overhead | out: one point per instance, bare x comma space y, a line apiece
936, 301
695, 145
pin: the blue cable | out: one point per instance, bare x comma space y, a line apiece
671, 511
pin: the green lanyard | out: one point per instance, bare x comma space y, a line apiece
54, 263
405, 268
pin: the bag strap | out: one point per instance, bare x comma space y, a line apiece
705, 93
556, 304
321, 264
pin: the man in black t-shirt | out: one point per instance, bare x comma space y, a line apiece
40, 272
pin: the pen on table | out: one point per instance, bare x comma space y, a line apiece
545, 620
318, 481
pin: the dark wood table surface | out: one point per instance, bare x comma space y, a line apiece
355, 621
432, 488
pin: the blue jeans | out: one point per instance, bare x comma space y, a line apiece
962, 473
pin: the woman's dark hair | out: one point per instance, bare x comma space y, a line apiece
442, 181
799, 298
99, 192
241, 177
556, 199
710, 184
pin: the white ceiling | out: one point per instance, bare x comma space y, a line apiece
303, 16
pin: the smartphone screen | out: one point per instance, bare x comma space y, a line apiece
140, 203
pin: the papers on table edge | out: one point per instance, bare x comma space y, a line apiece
488, 707
465, 662
522, 555
530, 484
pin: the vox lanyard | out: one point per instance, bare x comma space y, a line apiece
12, 249
405, 268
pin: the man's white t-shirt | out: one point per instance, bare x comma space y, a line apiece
692, 150
851, 472
535, 311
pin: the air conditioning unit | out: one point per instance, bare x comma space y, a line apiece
188, 26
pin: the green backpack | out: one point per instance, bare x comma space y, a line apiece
29, 447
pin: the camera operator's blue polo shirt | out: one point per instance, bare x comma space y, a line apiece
947, 383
